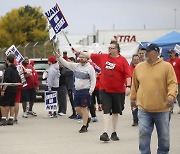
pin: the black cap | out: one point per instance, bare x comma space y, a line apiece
152, 46
64, 52
172, 50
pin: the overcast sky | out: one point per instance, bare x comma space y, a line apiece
81, 15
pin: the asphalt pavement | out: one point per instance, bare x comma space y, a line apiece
43, 135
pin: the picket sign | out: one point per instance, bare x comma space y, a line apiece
51, 101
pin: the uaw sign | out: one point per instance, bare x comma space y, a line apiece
56, 18
18, 55
51, 101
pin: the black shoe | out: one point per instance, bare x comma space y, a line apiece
83, 129
54, 115
10, 122
135, 124
88, 121
3, 122
15, 121
104, 137
73, 116
114, 137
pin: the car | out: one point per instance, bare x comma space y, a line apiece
41, 65
2, 68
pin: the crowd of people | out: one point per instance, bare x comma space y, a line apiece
152, 83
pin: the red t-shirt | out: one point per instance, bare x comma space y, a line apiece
30, 80
114, 72
176, 65
132, 67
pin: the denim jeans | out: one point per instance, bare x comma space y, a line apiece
147, 120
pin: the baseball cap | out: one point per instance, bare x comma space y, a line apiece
171, 50
52, 59
152, 46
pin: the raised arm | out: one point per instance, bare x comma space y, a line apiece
86, 54
67, 64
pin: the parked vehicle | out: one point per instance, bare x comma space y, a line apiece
2, 68
41, 65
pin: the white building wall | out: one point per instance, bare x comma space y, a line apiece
124, 36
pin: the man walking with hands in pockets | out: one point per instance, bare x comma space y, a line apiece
154, 88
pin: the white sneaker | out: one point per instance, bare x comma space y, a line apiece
24, 115
94, 119
62, 114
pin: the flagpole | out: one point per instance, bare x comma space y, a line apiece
67, 40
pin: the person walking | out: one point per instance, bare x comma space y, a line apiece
115, 75
134, 62
175, 62
85, 81
154, 88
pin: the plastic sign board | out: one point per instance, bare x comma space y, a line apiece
56, 18
51, 101
18, 55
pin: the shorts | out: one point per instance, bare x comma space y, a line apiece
18, 96
28, 95
8, 99
82, 98
112, 102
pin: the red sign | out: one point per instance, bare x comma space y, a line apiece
125, 38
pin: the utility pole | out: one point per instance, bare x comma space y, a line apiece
175, 18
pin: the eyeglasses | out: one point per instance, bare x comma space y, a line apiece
111, 48
82, 57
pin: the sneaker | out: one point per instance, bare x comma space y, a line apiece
61, 114
10, 122
73, 116
51, 116
54, 115
25, 115
15, 121
83, 129
32, 113
3, 122
135, 124
88, 121
94, 119
104, 137
99, 108
114, 137
78, 117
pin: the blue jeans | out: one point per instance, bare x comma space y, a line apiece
146, 126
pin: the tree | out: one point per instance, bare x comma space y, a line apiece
24, 25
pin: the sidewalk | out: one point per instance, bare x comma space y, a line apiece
42, 135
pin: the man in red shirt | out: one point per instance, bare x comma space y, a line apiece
175, 62
28, 93
115, 75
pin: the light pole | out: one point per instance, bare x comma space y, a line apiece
175, 18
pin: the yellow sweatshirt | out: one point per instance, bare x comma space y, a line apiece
152, 84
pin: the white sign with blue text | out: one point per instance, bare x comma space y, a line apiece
18, 55
51, 101
56, 18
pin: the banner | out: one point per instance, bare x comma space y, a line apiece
21, 74
18, 55
56, 18
177, 48
51, 101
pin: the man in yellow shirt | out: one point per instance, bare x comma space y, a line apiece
154, 88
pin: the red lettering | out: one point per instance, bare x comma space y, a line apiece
133, 39
125, 38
